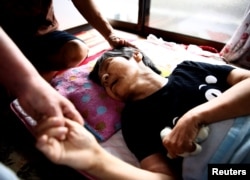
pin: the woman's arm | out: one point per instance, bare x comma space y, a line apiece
91, 12
16, 72
81, 151
232, 103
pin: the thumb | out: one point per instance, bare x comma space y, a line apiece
45, 145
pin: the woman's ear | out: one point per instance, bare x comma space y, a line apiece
137, 56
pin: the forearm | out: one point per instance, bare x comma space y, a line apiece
15, 70
95, 18
232, 103
110, 167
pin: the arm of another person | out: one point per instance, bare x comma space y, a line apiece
90, 11
81, 151
36, 96
232, 103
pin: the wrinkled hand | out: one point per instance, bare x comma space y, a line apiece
182, 137
42, 101
78, 150
116, 41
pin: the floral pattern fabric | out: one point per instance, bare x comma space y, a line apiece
237, 49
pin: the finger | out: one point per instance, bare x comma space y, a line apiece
41, 141
124, 42
132, 45
75, 117
50, 122
43, 144
59, 133
44, 125
70, 112
71, 124
170, 156
117, 41
75, 129
197, 150
47, 146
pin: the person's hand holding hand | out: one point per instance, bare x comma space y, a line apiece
41, 101
78, 150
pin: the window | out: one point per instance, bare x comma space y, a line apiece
213, 20
67, 15
208, 19
184, 21
121, 10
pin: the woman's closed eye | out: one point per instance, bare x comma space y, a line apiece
113, 83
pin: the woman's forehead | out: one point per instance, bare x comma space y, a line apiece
109, 59
104, 64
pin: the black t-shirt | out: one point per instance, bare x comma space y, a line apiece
189, 85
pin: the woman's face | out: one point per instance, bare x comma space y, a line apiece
117, 76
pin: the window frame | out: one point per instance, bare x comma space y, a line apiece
144, 31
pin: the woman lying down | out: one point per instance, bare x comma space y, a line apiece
195, 95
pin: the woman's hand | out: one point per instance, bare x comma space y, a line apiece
182, 137
41, 101
116, 41
78, 149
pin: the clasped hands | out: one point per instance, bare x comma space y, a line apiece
70, 145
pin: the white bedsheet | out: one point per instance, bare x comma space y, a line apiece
116, 146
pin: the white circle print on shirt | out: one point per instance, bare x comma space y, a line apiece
210, 93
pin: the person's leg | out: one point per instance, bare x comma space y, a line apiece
6, 173
56, 51
70, 54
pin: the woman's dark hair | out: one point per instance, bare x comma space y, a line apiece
127, 53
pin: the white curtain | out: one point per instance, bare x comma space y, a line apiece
237, 49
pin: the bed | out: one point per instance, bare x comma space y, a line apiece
103, 120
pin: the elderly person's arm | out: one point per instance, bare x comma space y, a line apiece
232, 103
